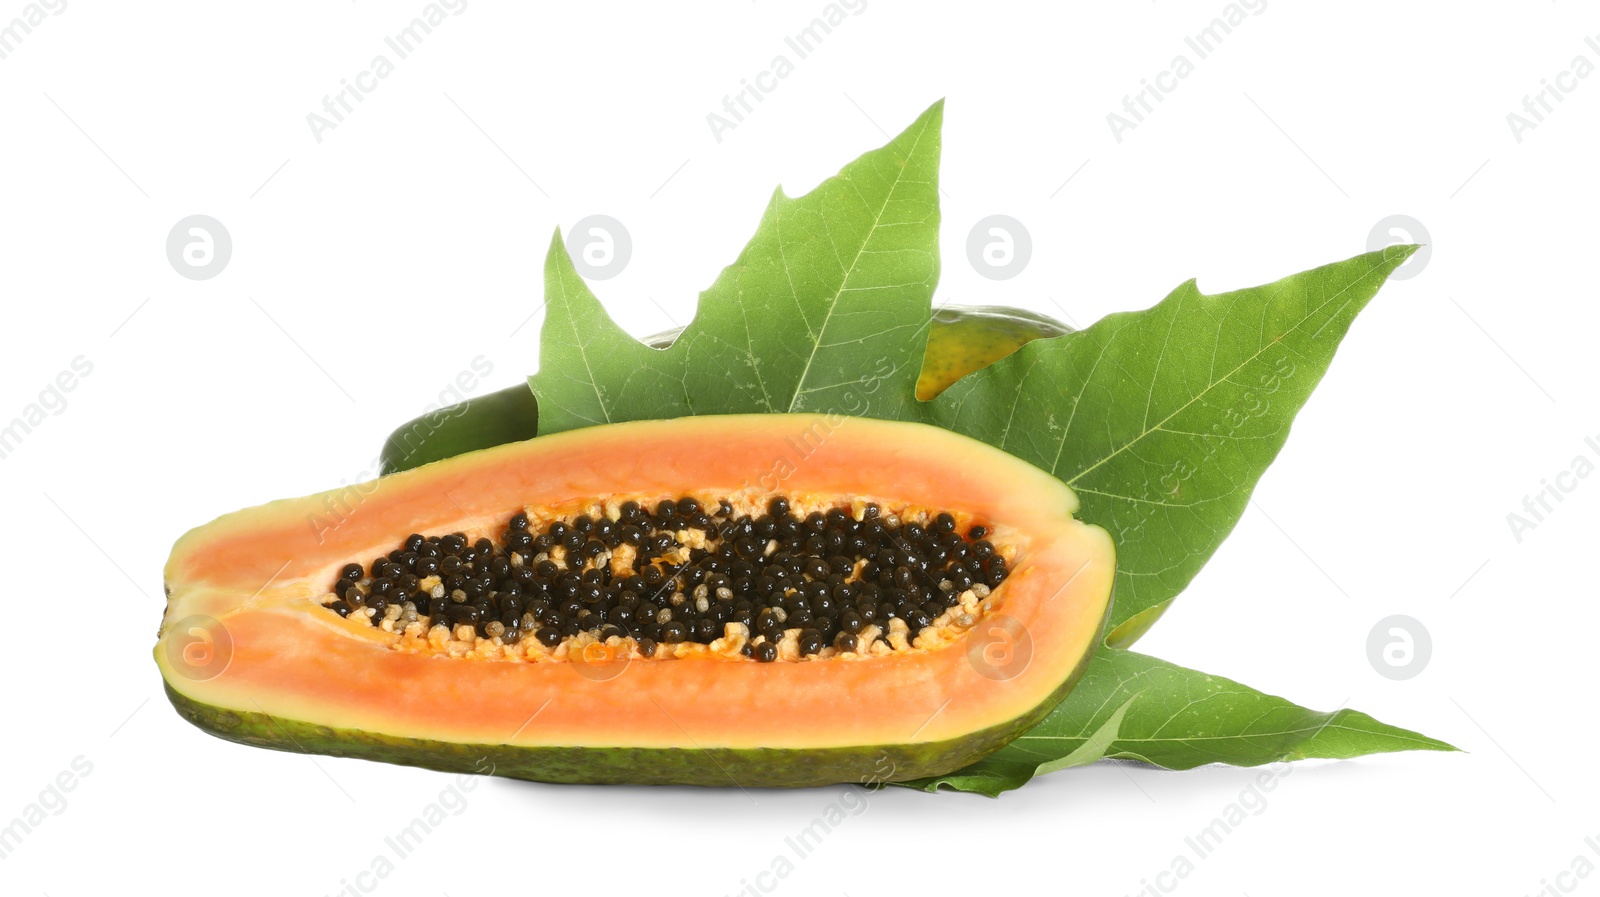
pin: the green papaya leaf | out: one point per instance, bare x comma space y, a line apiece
1163, 420
827, 309
1134, 707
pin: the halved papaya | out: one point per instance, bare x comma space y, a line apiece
961, 339
686, 601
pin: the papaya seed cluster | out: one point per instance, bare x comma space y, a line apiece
681, 572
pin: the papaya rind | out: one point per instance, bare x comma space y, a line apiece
707, 766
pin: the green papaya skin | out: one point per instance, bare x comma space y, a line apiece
496, 418
967, 338
961, 339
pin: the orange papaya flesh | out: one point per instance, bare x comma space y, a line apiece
961, 339
250, 653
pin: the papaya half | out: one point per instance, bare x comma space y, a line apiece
961, 339
755, 600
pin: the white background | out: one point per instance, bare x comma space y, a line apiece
371, 267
